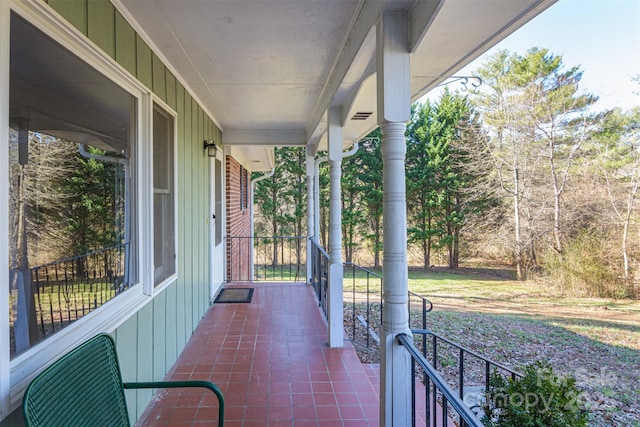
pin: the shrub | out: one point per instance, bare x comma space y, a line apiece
540, 399
586, 267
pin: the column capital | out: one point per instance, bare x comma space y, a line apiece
394, 77
310, 164
335, 133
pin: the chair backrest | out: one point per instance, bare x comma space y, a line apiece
82, 388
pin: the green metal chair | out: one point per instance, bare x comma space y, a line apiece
84, 388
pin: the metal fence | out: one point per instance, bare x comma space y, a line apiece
455, 365
66, 290
363, 301
439, 404
365, 306
273, 258
461, 367
320, 273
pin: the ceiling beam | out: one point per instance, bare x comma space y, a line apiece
420, 19
268, 137
367, 15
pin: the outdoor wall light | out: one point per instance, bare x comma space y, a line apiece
210, 147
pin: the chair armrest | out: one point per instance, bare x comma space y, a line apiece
184, 384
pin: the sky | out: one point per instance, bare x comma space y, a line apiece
602, 37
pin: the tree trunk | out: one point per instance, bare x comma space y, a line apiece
376, 243
454, 257
450, 234
627, 220
557, 192
516, 218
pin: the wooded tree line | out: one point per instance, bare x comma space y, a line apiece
525, 172
61, 203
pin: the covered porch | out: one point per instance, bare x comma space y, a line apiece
238, 79
272, 361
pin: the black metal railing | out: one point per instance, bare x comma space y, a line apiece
419, 306
459, 366
66, 290
442, 407
363, 300
273, 258
365, 305
320, 273
463, 368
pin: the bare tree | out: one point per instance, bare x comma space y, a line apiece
536, 123
39, 165
619, 163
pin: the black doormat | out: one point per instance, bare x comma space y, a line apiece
235, 295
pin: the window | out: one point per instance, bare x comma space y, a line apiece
163, 196
71, 151
244, 187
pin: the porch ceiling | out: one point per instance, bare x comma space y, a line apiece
268, 70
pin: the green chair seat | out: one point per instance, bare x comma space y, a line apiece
84, 388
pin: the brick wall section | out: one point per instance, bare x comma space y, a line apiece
238, 225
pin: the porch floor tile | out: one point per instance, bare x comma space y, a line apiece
272, 362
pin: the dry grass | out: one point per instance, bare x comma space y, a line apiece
517, 323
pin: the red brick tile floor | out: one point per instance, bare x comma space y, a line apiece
271, 360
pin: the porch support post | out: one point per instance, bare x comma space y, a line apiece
310, 211
335, 309
394, 103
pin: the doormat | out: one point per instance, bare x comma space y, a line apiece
234, 295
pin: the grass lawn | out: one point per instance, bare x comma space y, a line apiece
518, 323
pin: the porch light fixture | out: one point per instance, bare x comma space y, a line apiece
210, 147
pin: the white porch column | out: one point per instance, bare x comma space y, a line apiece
334, 297
310, 210
394, 103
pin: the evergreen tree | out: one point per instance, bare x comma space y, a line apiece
370, 173
454, 116
435, 181
353, 211
423, 162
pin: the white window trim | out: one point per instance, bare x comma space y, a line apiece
5, 380
215, 286
16, 374
149, 285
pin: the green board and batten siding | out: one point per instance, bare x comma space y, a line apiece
160, 330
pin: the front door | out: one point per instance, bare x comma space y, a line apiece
216, 224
